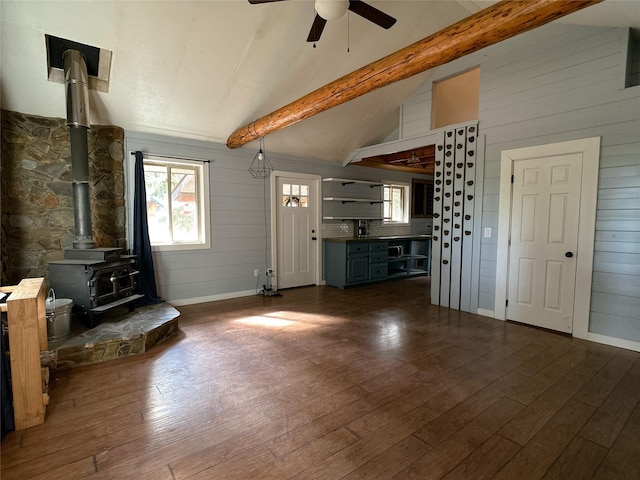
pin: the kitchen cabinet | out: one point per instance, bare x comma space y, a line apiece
352, 263
414, 260
355, 261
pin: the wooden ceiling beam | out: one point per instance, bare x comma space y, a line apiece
487, 27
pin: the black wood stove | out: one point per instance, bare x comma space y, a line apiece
96, 279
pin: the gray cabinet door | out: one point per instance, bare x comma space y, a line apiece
357, 268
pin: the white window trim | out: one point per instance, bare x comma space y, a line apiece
205, 206
406, 201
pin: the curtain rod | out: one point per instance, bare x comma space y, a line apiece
172, 156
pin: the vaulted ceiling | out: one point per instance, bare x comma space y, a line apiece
202, 69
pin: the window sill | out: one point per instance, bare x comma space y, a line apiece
178, 247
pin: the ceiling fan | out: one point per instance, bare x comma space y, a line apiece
333, 9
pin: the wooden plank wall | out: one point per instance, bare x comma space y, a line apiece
557, 83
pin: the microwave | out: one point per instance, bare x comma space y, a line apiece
395, 251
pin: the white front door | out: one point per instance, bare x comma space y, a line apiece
544, 240
297, 231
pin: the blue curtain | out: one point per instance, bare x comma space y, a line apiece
141, 243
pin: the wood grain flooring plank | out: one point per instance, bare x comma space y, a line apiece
368, 448
623, 459
201, 447
605, 425
160, 473
237, 468
603, 383
545, 378
306, 456
485, 461
450, 453
299, 435
445, 425
391, 461
57, 471
399, 406
401, 373
532, 418
579, 460
535, 458
544, 358
635, 370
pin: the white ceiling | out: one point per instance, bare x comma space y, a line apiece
202, 69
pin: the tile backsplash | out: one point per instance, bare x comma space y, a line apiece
348, 228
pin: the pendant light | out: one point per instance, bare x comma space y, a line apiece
413, 158
261, 167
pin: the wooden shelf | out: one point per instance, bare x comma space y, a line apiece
352, 200
352, 217
349, 181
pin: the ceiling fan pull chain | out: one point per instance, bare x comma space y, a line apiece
348, 30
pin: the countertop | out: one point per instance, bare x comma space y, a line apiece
374, 239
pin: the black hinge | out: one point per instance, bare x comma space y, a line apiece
507, 303
511, 178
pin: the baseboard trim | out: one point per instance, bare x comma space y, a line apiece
486, 313
614, 342
210, 298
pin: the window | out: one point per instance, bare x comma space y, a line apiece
395, 203
177, 203
455, 99
295, 195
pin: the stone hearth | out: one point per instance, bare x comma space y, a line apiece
120, 334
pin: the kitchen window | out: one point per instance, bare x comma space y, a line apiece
395, 203
177, 203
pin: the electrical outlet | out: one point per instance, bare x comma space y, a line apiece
256, 272
487, 232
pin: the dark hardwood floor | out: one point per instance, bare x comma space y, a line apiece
367, 383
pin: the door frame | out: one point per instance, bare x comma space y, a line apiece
317, 217
589, 148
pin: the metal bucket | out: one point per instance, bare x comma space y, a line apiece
58, 317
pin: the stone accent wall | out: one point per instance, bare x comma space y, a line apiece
36, 194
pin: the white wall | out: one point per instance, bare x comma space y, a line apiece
237, 217
558, 83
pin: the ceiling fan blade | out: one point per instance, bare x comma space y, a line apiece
371, 13
256, 2
316, 29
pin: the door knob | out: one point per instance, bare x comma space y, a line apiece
568, 254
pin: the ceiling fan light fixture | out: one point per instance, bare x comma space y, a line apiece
413, 158
331, 9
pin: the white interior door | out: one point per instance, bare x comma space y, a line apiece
297, 231
544, 240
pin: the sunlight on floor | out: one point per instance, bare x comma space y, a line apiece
264, 321
290, 319
390, 335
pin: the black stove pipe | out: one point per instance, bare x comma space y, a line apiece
77, 95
